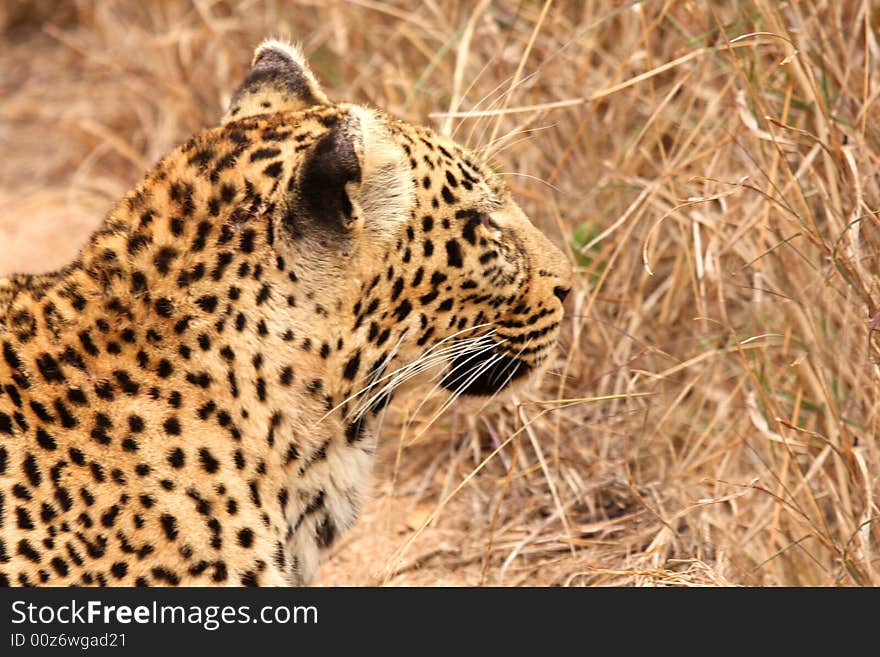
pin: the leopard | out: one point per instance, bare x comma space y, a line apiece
194, 399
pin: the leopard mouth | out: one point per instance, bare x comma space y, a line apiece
485, 373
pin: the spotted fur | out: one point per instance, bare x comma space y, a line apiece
192, 400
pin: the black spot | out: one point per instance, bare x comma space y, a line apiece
227, 192
246, 537
182, 324
352, 366
355, 431
255, 493
164, 307
41, 412
104, 390
47, 513
26, 550
23, 518
163, 259
403, 309
182, 193
11, 356
469, 232
135, 423
249, 578
45, 441
176, 458
205, 411
209, 463
204, 341
264, 154
202, 232
224, 259
453, 254
172, 426
137, 241
164, 575
202, 379
397, 289
108, 518
50, 369
208, 303
86, 339
273, 170
214, 207
201, 158
418, 276
125, 383
164, 369
220, 572
169, 526
246, 243
425, 337
77, 396
21, 492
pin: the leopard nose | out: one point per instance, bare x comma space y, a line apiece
561, 293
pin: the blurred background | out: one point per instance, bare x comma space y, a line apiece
711, 168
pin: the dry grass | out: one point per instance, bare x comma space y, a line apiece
714, 167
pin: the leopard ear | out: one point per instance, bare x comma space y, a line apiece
279, 81
355, 177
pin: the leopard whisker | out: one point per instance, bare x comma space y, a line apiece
387, 375
495, 394
459, 391
422, 365
438, 385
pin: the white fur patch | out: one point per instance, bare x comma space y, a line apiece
386, 192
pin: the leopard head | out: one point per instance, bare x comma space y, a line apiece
437, 267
